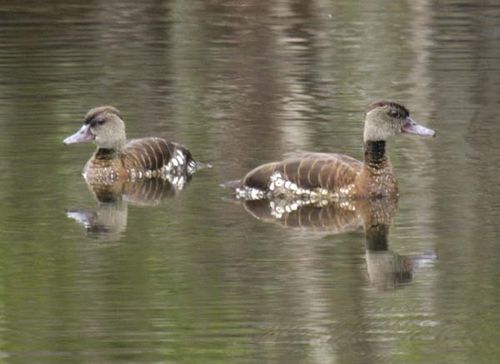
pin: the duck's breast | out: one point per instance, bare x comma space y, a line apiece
377, 182
104, 167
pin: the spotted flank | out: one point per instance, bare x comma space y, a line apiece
280, 187
178, 163
177, 170
285, 197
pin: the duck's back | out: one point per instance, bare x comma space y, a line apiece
156, 155
330, 172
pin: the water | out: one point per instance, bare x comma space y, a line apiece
197, 278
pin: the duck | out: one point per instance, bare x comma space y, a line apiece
119, 159
313, 177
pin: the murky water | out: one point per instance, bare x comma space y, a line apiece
193, 277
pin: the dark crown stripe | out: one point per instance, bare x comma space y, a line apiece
391, 104
91, 117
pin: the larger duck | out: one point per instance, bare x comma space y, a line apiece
117, 159
322, 176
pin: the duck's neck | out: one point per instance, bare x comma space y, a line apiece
105, 153
375, 154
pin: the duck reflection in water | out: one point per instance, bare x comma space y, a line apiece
109, 220
386, 268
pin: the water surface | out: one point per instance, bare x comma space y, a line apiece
196, 278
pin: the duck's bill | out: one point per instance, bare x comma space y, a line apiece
411, 127
82, 135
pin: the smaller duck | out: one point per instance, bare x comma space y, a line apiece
117, 159
322, 177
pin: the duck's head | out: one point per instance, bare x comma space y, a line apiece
386, 118
104, 126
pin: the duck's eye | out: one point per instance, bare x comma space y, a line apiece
100, 122
393, 113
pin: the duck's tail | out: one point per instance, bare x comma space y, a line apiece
195, 166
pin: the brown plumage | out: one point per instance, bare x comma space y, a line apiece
119, 159
336, 175
315, 170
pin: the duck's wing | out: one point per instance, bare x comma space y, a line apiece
153, 154
311, 170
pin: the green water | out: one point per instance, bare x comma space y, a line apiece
196, 278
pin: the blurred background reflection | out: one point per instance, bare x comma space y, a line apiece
197, 279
